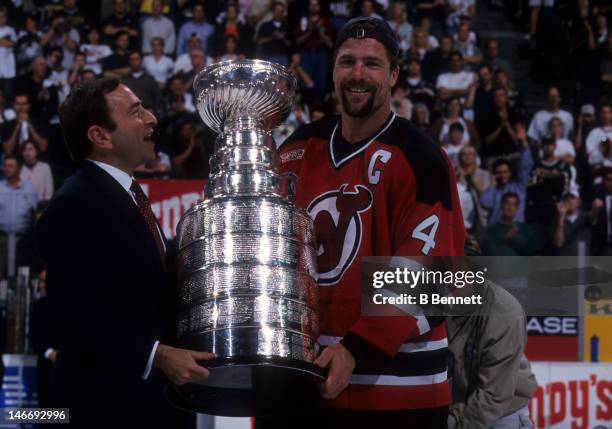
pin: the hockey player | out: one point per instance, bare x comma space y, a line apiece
375, 186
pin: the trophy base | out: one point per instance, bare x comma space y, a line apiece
243, 389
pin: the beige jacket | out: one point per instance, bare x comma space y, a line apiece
491, 376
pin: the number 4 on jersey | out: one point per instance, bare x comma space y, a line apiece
420, 232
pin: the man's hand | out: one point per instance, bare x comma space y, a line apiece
341, 364
181, 365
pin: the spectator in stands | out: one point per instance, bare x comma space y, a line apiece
55, 85
601, 217
476, 177
538, 128
572, 229
458, 9
314, 39
433, 11
602, 157
143, 84
420, 117
515, 99
454, 142
36, 172
177, 100
509, 236
198, 62
564, 149
499, 129
117, 64
601, 30
229, 50
440, 130
601, 133
457, 82
59, 34
157, 64
28, 44
273, 40
94, 51
198, 26
493, 59
502, 182
420, 44
189, 152
398, 21
23, 128
437, 61
32, 84
467, 45
121, 22
305, 83
471, 182
8, 38
368, 8
550, 180
74, 17
183, 63
605, 71
418, 89
233, 26
157, 25
483, 97
18, 199
586, 123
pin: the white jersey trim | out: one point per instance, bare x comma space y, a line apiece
392, 380
352, 155
425, 346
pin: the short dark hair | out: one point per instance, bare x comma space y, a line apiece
456, 126
510, 195
9, 157
84, 107
501, 161
547, 140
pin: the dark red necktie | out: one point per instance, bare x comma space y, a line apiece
145, 210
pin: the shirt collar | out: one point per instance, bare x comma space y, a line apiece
124, 179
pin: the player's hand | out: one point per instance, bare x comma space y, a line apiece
180, 365
341, 364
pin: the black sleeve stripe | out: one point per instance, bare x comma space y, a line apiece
426, 159
321, 128
406, 364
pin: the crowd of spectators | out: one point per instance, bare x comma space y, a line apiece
529, 182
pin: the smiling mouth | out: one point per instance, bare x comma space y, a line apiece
357, 91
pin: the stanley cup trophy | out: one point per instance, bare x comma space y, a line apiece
247, 261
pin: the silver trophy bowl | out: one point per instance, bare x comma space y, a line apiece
246, 256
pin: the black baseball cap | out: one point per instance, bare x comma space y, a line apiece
368, 27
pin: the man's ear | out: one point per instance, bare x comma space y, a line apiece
394, 75
100, 137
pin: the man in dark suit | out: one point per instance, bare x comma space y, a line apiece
108, 271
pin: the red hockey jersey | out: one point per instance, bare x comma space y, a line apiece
391, 194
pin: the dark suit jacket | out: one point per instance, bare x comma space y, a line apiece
110, 299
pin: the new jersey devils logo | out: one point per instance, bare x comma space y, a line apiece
339, 229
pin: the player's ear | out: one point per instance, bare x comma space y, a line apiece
394, 75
